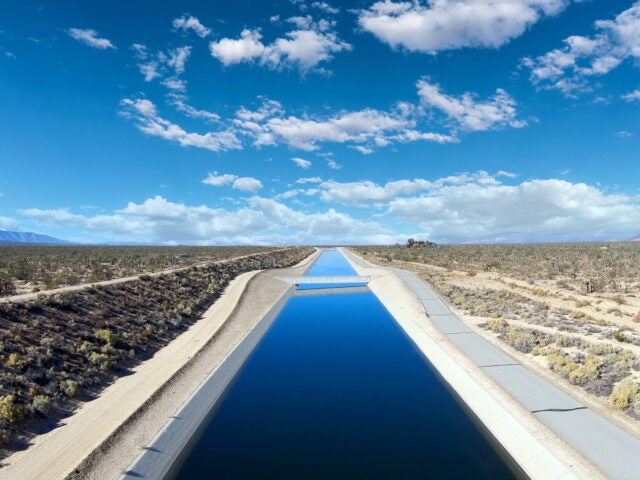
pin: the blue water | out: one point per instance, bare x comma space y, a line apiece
330, 263
336, 390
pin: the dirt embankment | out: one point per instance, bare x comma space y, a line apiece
58, 351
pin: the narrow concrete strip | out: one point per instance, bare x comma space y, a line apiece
314, 292
161, 456
337, 280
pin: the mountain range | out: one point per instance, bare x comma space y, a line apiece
7, 237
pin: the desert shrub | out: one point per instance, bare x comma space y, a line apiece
69, 388
589, 371
497, 325
41, 403
6, 285
11, 411
102, 360
624, 394
15, 361
107, 336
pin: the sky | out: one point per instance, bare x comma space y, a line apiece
313, 122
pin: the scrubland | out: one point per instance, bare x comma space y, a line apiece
59, 349
27, 269
572, 309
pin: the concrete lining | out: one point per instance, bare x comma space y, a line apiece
162, 456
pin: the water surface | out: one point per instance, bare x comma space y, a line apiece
336, 390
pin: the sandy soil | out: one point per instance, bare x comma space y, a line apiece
105, 435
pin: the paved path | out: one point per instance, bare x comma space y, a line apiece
613, 450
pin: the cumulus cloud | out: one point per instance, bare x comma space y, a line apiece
90, 37
366, 192
536, 210
244, 184
145, 113
570, 68
439, 25
244, 49
257, 221
216, 180
189, 22
247, 184
369, 127
496, 112
302, 163
304, 48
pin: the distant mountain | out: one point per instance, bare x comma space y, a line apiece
7, 237
636, 239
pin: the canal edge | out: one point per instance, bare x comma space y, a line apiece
519, 438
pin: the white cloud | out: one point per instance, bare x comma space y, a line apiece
632, 96
216, 180
90, 37
364, 193
309, 180
482, 209
247, 184
61, 217
497, 112
258, 221
7, 223
623, 134
177, 58
370, 128
453, 24
180, 102
570, 68
467, 207
167, 65
333, 165
300, 162
188, 22
245, 49
304, 48
149, 122
325, 7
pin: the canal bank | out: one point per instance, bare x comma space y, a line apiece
105, 435
547, 432
335, 389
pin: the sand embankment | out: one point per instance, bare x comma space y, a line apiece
105, 435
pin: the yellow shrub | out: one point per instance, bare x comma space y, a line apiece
623, 394
10, 411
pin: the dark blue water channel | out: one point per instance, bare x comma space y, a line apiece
336, 390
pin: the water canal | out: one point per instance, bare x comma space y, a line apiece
335, 389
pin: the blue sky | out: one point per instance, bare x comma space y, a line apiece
302, 121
